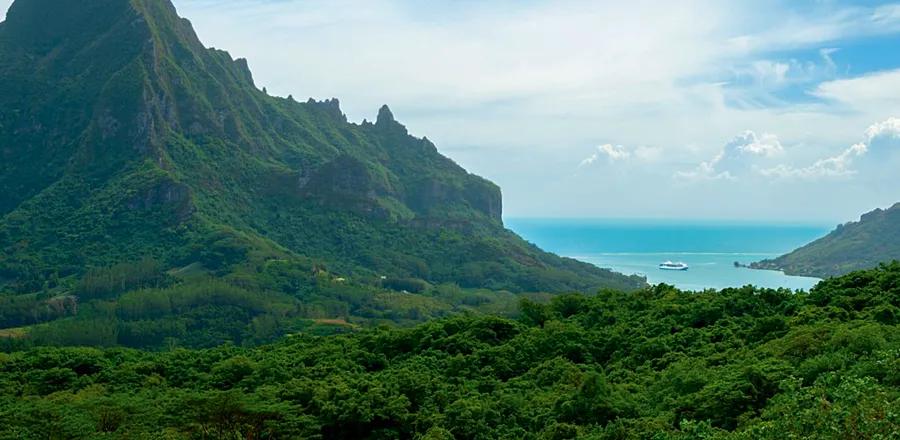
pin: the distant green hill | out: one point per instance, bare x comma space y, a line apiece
874, 239
125, 144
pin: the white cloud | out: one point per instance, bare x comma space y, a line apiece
619, 153
826, 53
612, 152
878, 91
889, 128
888, 15
878, 135
763, 82
748, 142
793, 29
705, 171
589, 160
739, 156
767, 71
837, 166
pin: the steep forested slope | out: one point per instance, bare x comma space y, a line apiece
123, 139
874, 239
658, 363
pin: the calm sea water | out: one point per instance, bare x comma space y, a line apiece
709, 248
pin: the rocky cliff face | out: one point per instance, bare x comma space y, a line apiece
165, 195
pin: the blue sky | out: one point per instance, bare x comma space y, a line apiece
656, 109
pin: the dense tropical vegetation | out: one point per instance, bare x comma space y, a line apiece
656, 363
141, 305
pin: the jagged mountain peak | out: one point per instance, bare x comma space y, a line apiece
385, 116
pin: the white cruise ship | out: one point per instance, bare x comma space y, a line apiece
668, 265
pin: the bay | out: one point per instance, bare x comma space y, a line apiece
710, 248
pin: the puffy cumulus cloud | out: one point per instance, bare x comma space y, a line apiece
837, 166
748, 143
889, 128
612, 152
620, 153
878, 151
743, 154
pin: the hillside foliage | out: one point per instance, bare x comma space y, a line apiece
865, 244
657, 363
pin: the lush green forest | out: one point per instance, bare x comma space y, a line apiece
656, 363
142, 305
875, 238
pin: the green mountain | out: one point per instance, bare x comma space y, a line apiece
874, 239
131, 156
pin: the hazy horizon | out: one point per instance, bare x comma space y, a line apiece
710, 110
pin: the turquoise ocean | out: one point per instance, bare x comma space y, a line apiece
709, 248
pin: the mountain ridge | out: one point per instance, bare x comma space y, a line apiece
863, 244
